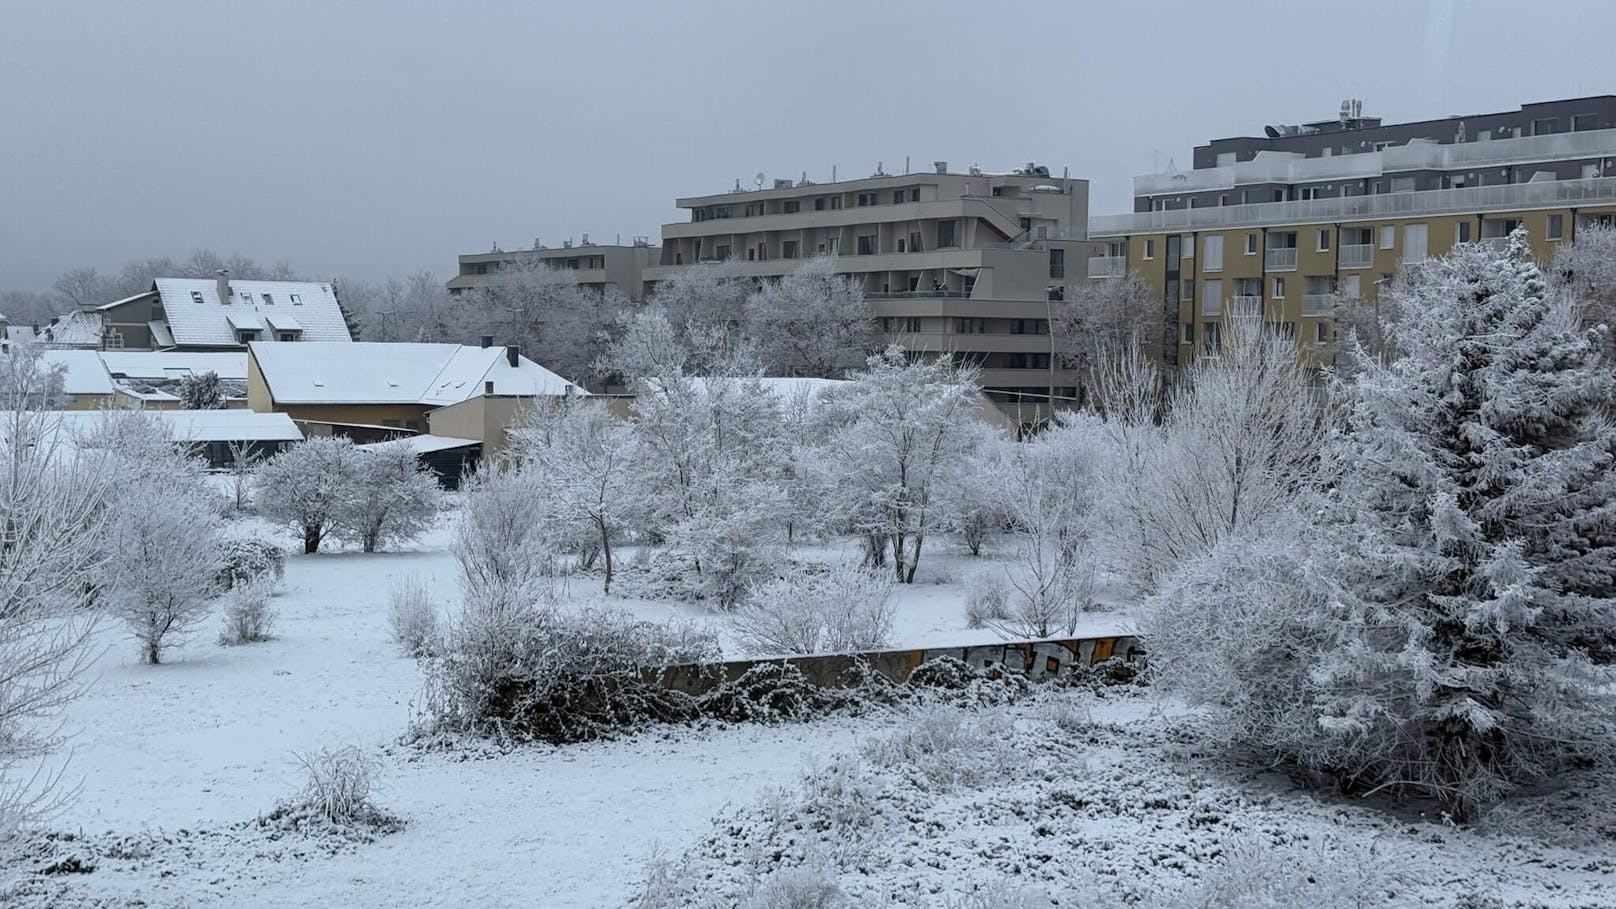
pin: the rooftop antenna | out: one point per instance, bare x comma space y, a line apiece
906, 165
759, 177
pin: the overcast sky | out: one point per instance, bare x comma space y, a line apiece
363, 139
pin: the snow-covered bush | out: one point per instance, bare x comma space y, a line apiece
987, 599
393, 499
505, 556
412, 616
943, 747
799, 888
336, 794
840, 795
201, 391
844, 610
558, 677
1267, 875
250, 560
248, 614
307, 486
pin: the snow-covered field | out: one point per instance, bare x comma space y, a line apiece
177, 761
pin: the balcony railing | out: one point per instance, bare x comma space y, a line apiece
1108, 266
1468, 200
1317, 304
1357, 255
919, 295
1280, 259
1245, 307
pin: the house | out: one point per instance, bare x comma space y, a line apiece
371, 391
221, 314
86, 384
211, 433
151, 378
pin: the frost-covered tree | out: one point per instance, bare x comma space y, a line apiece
393, 499
1096, 319
201, 392
28, 382
712, 451
1441, 620
53, 502
644, 344
162, 540
505, 554
540, 309
812, 322
1588, 267
1241, 438
845, 609
306, 487
587, 463
895, 436
706, 306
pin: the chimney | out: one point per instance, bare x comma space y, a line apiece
512, 354
488, 340
223, 285
488, 387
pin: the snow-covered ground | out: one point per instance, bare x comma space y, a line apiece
176, 762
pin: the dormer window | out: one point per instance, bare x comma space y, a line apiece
268, 300
246, 297
288, 336
297, 299
246, 335
196, 296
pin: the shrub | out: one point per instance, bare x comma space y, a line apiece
798, 888
840, 796
248, 615
538, 674
943, 748
248, 560
1266, 874
335, 794
844, 610
987, 600
412, 616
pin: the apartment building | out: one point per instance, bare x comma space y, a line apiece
1286, 224
959, 263
592, 265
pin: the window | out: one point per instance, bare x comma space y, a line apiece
1462, 232
1324, 239
196, 296
1321, 331
1225, 159
1388, 236
970, 326
819, 204
1209, 337
791, 206
246, 297
910, 325
247, 334
113, 339
1279, 288
1186, 333
1211, 298
947, 234
1150, 249
1546, 126
1212, 253
297, 299
1029, 327
866, 245
1057, 263
1414, 242
835, 202
1556, 227
721, 252
914, 241
157, 312
789, 248
269, 300
866, 199
751, 254
1584, 122
1251, 244
835, 245
899, 197
1352, 287
1590, 171
288, 336
1403, 184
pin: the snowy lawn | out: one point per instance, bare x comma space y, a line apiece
206, 743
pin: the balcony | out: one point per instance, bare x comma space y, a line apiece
1108, 266
1358, 255
1318, 304
1245, 307
1280, 259
919, 295
1512, 197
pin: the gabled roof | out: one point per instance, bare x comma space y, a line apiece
83, 373
363, 372
79, 328
196, 316
194, 425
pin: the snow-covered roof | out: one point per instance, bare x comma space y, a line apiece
425, 444
77, 328
174, 364
367, 372
197, 425
83, 373
196, 317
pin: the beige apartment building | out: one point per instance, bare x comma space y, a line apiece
966, 264
1285, 226
591, 265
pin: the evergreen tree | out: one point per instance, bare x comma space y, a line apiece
202, 392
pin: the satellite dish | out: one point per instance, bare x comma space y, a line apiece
1272, 132
759, 178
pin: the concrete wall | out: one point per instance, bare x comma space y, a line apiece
1038, 659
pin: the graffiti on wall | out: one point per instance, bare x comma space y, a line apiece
1041, 659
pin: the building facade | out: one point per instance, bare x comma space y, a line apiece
1286, 226
965, 264
590, 265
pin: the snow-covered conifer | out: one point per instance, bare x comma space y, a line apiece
202, 392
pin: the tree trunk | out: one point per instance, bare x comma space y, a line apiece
606, 550
914, 561
153, 655
370, 540
311, 539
